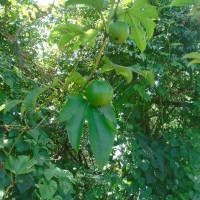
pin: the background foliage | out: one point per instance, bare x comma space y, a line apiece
156, 102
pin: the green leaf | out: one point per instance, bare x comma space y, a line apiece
58, 173
24, 182
75, 77
97, 4
74, 112
9, 82
194, 55
63, 29
147, 75
65, 33
11, 104
195, 61
120, 70
2, 107
64, 39
47, 188
89, 37
101, 136
20, 165
140, 17
33, 95
184, 2
126, 72
109, 113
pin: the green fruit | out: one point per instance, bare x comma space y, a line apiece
99, 93
119, 31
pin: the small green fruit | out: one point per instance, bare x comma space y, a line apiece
119, 31
99, 93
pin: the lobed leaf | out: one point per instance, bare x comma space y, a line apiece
101, 136
74, 113
140, 17
47, 188
126, 72
20, 165
120, 70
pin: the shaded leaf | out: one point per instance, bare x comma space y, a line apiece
109, 113
47, 188
33, 95
74, 112
20, 165
101, 136
10, 105
24, 182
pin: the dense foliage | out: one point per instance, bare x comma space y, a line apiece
55, 144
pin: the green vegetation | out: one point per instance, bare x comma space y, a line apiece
99, 99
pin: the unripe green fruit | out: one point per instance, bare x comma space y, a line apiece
99, 93
119, 31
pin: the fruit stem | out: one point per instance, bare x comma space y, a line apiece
104, 21
97, 62
100, 52
115, 12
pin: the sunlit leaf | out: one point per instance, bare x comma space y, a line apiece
140, 17
97, 4
147, 75
184, 2
194, 55
120, 70
75, 77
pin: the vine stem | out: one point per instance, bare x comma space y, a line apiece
100, 53
8, 188
24, 131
